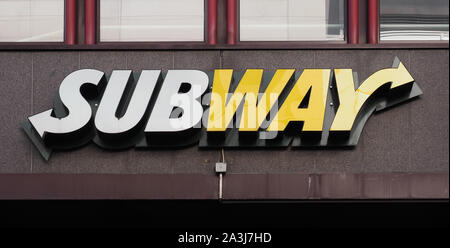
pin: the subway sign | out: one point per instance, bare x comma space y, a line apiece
220, 109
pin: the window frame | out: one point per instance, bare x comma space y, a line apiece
291, 42
40, 43
168, 43
216, 33
393, 42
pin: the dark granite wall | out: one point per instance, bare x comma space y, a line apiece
411, 138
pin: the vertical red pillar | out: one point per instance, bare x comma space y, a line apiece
372, 21
70, 29
231, 22
212, 22
90, 22
353, 21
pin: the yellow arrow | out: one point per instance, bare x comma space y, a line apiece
351, 101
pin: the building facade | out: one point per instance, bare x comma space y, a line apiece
402, 152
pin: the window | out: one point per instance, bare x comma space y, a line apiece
413, 20
151, 20
31, 20
291, 20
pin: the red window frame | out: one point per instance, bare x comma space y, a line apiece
90, 22
353, 21
81, 31
373, 30
70, 25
